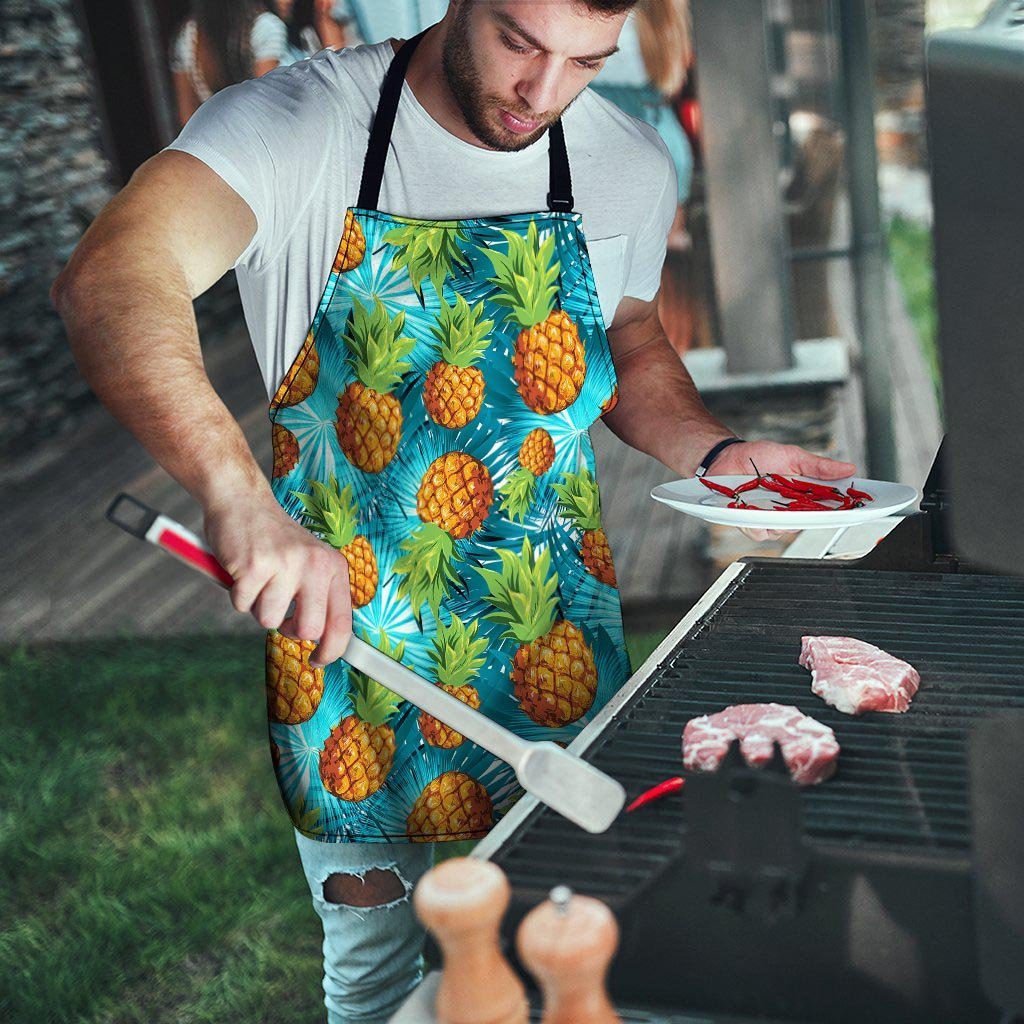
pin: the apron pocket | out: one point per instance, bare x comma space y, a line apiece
607, 259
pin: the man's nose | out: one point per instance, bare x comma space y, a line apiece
539, 90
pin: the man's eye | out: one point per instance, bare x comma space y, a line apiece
589, 65
513, 46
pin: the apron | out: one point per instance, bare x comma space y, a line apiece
434, 429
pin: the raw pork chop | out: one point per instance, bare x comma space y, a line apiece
809, 748
855, 677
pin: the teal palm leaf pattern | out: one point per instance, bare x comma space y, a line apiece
436, 515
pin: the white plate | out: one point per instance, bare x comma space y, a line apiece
693, 498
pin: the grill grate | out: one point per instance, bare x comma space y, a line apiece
902, 779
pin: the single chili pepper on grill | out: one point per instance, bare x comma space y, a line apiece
657, 792
862, 495
720, 488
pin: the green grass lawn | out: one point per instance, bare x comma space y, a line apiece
147, 864
910, 249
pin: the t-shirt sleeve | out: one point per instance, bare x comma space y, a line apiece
269, 38
269, 140
651, 241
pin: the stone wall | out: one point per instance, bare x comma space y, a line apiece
54, 178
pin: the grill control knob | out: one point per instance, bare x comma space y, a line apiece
462, 901
567, 943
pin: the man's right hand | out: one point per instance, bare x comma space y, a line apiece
274, 561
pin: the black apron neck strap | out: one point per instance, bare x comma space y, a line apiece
560, 198
383, 123
560, 189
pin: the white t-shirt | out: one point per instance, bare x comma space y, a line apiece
268, 40
292, 144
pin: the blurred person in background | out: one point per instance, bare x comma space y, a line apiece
313, 25
223, 42
647, 75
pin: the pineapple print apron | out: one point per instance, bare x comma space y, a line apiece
434, 429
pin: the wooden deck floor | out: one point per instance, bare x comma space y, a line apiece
72, 575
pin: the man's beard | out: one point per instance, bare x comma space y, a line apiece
464, 82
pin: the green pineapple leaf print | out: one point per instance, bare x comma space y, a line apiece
427, 252
426, 568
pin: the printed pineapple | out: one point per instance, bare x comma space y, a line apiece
369, 417
549, 360
332, 514
454, 389
580, 501
427, 252
294, 687
360, 750
286, 450
536, 456
457, 657
451, 807
300, 380
554, 676
453, 500
352, 248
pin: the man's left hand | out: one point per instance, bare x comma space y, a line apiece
771, 457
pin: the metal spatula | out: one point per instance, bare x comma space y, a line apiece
573, 788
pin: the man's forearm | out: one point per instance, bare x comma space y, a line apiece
660, 411
133, 333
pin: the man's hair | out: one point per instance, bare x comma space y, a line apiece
609, 6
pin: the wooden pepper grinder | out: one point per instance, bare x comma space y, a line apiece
462, 901
567, 943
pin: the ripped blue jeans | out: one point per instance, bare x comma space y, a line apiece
372, 954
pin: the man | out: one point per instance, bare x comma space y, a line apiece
431, 424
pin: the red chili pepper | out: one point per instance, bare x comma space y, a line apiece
793, 485
807, 505
786, 492
862, 495
773, 485
749, 485
656, 793
807, 487
719, 488
743, 504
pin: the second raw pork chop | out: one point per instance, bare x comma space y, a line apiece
809, 748
855, 677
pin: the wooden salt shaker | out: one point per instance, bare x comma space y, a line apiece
462, 901
567, 943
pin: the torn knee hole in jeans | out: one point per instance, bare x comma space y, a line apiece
375, 888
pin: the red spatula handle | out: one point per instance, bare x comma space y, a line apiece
147, 524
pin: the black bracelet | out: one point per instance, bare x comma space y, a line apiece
705, 463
